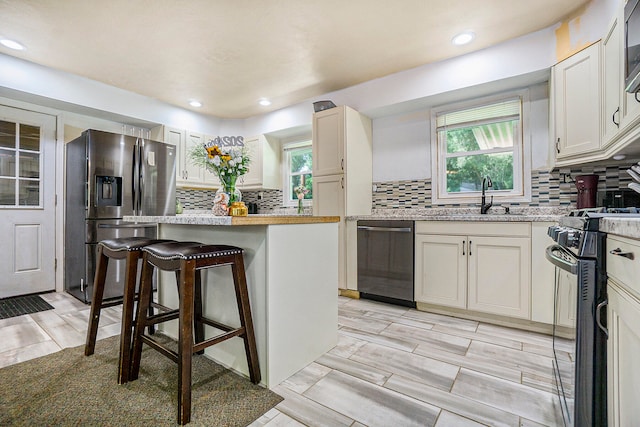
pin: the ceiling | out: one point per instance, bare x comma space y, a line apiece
229, 54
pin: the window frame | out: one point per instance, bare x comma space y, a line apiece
521, 153
288, 148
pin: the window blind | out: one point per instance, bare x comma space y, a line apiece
498, 112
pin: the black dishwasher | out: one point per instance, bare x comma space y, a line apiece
385, 261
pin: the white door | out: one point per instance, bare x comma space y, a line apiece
27, 202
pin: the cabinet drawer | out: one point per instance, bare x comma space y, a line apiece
476, 228
621, 267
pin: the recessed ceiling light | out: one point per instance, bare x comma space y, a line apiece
264, 102
619, 157
195, 103
463, 38
11, 44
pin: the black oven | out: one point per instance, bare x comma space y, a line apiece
582, 390
579, 250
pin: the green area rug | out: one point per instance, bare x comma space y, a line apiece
69, 389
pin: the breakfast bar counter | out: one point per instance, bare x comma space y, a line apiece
291, 264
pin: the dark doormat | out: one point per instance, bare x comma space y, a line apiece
17, 306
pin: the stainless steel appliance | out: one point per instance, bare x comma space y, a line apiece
579, 249
632, 46
109, 176
385, 261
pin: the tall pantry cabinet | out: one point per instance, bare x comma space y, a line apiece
342, 177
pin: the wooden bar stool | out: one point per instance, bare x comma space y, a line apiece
129, 249
188, 258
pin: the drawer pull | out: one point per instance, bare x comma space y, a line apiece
618, 252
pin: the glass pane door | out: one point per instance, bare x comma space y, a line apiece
20, 164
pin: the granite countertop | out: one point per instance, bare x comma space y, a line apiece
517, 214
626, 227
197, 218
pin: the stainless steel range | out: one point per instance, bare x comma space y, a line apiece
579, 250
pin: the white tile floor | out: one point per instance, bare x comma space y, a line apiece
393, 366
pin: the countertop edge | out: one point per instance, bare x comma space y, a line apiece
625, 227
463, 217
208, 219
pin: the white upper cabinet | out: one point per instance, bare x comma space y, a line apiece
611, 82
194, 175
342, 149
264, 170
186, 173
328, 142
264, 167
576, 103
588, 96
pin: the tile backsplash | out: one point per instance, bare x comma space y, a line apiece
269, 201
555, 188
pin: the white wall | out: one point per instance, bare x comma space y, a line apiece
29, 82
402, 142
401, 147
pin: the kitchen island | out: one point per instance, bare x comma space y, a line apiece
291, 265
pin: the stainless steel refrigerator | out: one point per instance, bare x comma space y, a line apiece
109, 176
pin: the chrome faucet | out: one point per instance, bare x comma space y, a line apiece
484, 208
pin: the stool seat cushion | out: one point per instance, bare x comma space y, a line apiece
129, 243
189, 250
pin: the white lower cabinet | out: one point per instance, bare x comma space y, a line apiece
623, 348
623, 324
474, 266
441, 270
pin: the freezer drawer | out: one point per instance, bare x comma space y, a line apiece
98, 230
79, 275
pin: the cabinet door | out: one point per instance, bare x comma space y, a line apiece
328, 142
253, 178
177, 138
542, 274
328, 195
577, 103
210, 179
566, 298
612, 82
623, 348
441, 270
193, 174
499, 275
328, 199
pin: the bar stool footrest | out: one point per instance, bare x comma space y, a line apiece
160, 348
162, 317
217, 339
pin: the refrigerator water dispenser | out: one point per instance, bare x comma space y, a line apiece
108, 190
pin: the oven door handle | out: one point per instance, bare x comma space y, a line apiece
561, 262
598, 317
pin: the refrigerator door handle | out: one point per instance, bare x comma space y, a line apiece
141, 173
134, 181
87, 185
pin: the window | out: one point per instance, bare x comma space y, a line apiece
478, 141
19, 164
298, 166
